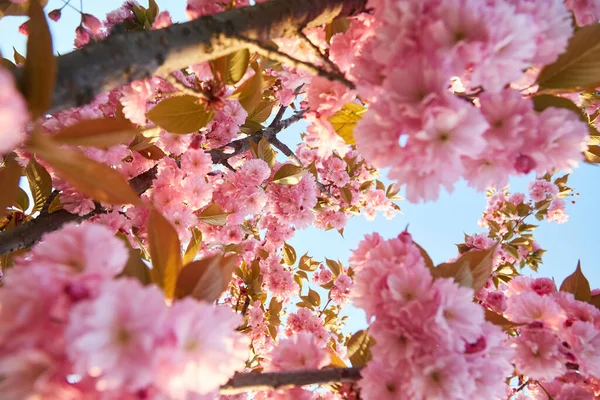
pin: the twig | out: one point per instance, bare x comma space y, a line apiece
319, 53
278, 116
243, 382
277, 55
177, 84
324, 308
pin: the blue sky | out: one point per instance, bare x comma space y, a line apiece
437, 226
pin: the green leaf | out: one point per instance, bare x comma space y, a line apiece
578, 68
214, 215
39, 72
193, 246
577, 284
265, 152
10, 175
206, 279
180, 114
359, 348
288, 174
152, 11
289, 254
165, 251
40, 183
101, 133
344, 121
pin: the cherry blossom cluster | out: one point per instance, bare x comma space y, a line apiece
419, 125
431, 340
71, 330
556, 337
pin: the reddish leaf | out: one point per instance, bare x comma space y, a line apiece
10, 175
39, 72
206, 279
577, 284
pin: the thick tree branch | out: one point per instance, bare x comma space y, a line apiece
276, 380
125, 57
29, 233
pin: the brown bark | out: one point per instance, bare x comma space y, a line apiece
125, 57
275, 380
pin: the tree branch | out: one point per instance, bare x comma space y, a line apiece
29, 233
124, 57
276, 380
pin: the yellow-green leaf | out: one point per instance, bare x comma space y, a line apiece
334, 266
90, 177
214, 215
289, 254
40, 183
577, 284
314, 297
359, 348
193, 246
261, 112
39, 72
306, 263
249, 93
206, 279
578, 68
165, 251
592, 154
10, 175
335, 360
101, 133
288, 174
22, 200
181, 114
265, 152
346, 195
344, 121
472, 269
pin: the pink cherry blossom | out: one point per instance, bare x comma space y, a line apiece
298, 352
13, 111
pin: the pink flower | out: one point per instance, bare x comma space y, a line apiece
382, 383
92, 23
530, 307
196, 162
441, 378
75, 247
341, 289
299, 352
539, 190
556, 212
114, 336
204, 349
584, 339
326, 97
13, 113
538, 354
55, 15
586, 11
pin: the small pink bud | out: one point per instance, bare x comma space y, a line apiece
54, 15
92, 23
24, 28
82, 36
525, 164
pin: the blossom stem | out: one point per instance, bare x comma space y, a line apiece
242, 382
